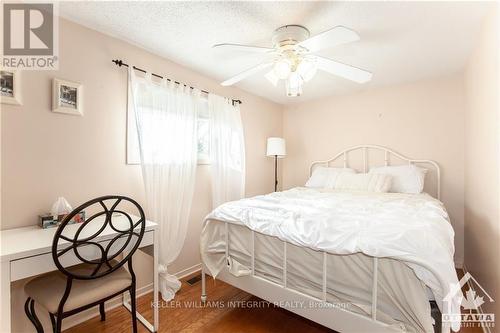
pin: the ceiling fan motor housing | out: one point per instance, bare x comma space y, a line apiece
289, 35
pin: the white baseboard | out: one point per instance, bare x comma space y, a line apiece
117, 301
188, 271
480, 308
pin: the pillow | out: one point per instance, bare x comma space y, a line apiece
326, 177
405, 178
370, 182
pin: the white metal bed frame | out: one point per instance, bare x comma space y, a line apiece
318, 309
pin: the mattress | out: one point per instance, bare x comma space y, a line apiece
401, 299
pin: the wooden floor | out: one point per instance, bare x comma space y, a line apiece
186, 314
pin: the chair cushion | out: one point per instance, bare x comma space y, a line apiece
48, 289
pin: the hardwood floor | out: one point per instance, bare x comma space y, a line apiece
186, 314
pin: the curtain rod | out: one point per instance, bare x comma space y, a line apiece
120, 63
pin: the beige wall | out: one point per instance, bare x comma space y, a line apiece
421, 120
45, 154
482, 165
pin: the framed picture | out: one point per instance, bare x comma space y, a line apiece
67, 97
10, 87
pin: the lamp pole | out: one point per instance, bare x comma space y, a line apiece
275, 173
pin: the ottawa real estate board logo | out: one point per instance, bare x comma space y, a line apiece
475, 297
30, 36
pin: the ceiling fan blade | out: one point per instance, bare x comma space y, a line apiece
346, 71
246, 73
243, 48
335, 36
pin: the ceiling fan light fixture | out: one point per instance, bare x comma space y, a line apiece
282, 68
294, 85
307, 69
271, 77
295, 59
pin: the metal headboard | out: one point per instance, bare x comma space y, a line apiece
387, 153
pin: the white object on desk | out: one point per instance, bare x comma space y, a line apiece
26, 252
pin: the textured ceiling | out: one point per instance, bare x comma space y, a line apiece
400, 41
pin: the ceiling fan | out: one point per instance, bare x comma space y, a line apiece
293, 59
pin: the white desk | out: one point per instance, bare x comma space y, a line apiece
26, 252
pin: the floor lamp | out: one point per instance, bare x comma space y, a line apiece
276, 148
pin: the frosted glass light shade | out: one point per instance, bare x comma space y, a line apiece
282, 68
276, 147
307, 69
294, 85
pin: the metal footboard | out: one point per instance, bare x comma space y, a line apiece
255, 284
268, 290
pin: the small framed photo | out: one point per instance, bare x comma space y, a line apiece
67, 97
10, 87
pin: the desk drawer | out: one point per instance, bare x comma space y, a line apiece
43, 263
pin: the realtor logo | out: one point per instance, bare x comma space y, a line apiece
29, 36
472, 316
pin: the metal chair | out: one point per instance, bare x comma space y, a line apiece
97, 273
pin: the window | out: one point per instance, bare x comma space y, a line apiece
133, 153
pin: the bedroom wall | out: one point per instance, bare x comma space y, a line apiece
482, 163
420, 120
45, 154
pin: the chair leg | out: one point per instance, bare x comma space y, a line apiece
58, 323
133, 308
101, 311
53, 322
29, 309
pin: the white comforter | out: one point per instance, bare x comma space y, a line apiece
411, 228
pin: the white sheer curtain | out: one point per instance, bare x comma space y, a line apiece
227, 150
165, 115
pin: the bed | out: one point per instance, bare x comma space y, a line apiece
351, 261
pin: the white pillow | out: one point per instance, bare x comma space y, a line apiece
370, 182
326, 177
405, 178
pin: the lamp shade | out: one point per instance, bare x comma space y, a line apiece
276, 147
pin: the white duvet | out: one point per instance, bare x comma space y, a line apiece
408, 227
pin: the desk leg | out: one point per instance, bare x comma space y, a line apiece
152, 328
156, 245
5, 297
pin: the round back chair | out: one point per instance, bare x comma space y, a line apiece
88, 243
